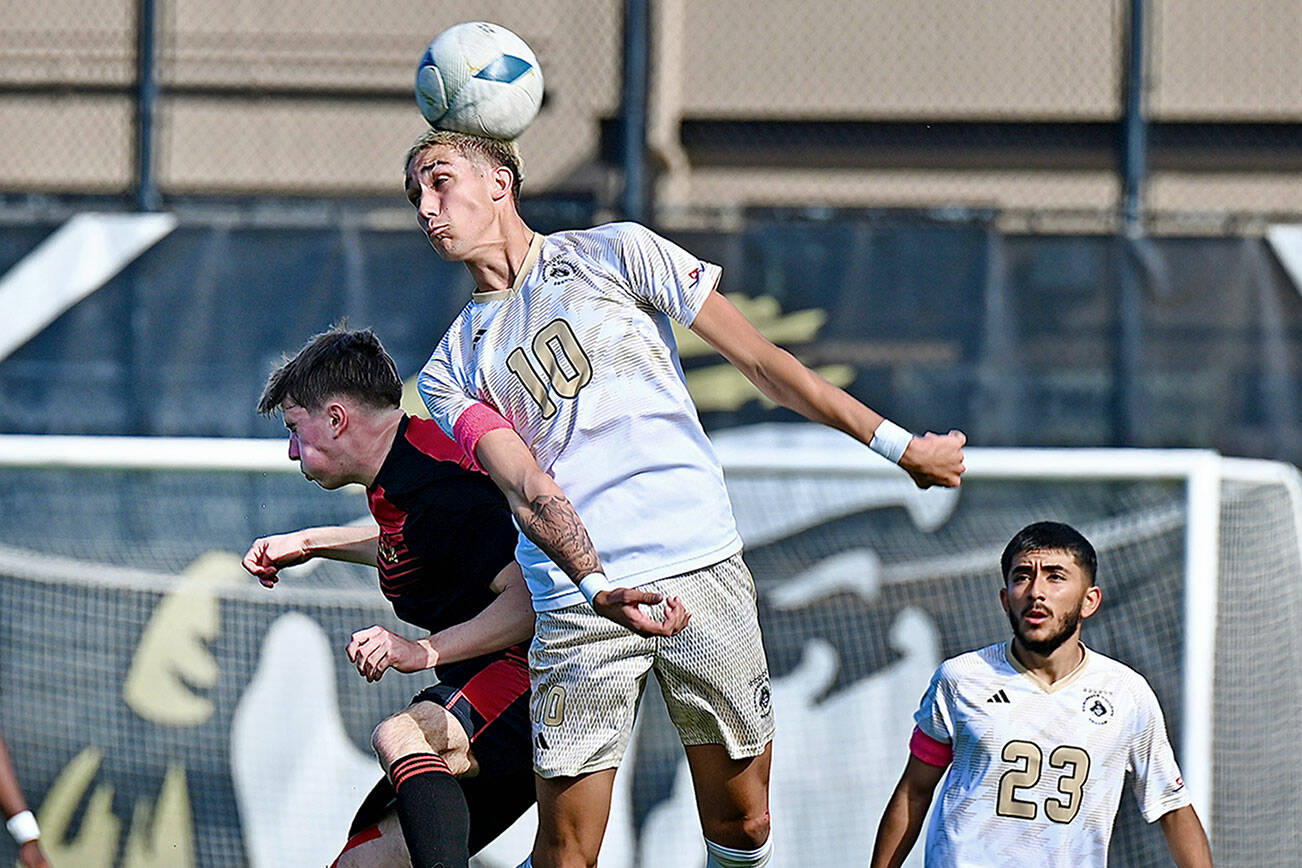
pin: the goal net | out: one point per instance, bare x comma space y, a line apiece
163, 708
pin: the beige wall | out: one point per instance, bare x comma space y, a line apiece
1047, 60
942, 59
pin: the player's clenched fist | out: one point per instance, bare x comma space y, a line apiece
269, 554
935, 459
377, 649
623, 606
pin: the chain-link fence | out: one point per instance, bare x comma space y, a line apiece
293, 97
911, 103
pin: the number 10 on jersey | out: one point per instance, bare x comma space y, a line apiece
565, 366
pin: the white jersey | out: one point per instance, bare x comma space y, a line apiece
579, 357
1037, 770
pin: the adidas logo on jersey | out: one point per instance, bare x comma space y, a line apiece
999, 696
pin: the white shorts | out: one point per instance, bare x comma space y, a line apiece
588, 673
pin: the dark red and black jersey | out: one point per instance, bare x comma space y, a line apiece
445, 530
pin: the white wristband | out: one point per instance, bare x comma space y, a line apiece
592, 583
22, 827
890, 441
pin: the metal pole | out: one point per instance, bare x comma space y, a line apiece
1130, 303
1129, 346
1133, 126
637, 49
147, 198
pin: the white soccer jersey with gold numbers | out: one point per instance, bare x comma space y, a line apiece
579, 356
1037, 771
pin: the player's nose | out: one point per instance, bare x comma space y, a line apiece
428, 208
293, 447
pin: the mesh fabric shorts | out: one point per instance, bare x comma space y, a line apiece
588, 673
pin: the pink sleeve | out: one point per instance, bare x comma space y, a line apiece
476, 421
928, 750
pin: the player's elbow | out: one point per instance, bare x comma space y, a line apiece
783, 379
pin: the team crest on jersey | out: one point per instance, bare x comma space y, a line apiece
1098, 708
387, 550
763, 695
558, 272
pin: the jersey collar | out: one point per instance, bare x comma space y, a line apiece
1040, 682
381, 478
530, 259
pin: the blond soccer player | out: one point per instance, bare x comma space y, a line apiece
562, 379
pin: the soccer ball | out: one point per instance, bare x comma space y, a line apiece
479, 78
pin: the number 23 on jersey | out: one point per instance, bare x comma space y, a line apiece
1028, 766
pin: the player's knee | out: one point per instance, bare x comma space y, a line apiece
382, 739
396, 737
755, 829
745, 831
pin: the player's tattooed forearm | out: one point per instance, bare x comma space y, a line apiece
555, 528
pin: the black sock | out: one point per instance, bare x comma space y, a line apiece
432, 811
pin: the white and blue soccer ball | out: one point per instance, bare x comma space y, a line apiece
479, 78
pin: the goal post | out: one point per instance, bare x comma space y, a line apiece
1202, 472
864, 584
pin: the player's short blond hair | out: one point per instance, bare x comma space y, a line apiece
488, 153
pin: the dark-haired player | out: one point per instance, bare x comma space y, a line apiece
457, 758
1038, 734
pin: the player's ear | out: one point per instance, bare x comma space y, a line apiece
1093, 598
337, 414
1003, 598
503, 181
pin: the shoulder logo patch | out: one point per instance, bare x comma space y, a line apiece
1000, 697
1098, 708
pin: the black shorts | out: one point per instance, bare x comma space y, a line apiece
489, 696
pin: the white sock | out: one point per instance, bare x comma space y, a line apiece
718, 856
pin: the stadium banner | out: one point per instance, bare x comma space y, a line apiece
933, 320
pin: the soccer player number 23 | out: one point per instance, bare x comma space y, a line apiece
1029, 760
558, 353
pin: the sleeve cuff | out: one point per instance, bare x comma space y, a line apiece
477, 420
707, 282
929, 750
